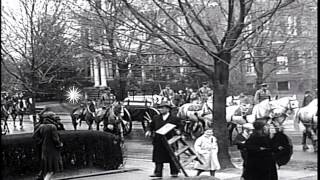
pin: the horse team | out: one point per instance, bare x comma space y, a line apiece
16, 107
198, 115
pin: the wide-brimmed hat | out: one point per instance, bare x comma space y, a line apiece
208, 132
50, 115
205, 83
165, 104
264, 84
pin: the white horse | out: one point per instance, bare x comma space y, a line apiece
274, 112
195, 115
232, 100
309, 118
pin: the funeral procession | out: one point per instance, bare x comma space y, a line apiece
159, 89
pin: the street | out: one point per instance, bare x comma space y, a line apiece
139, 147
138, 154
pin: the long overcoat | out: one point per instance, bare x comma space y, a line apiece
207, 150
160, 153
261, 164
46, 135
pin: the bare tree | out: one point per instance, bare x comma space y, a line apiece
34, 44
113, 38
214, 28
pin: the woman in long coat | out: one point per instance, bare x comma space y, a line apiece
46, 135
206, 148
261, 164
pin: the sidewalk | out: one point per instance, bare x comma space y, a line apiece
140, 169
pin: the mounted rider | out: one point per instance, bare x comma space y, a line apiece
167, 93
307, 98
204, 92
245, 106
262, 94
107, 98
91, 104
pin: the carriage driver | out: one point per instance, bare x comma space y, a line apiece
204, 92
262, 94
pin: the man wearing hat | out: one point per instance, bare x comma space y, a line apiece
204, 92
107, 98
307, 98
168, 93
240, 139
262, 94
160, 153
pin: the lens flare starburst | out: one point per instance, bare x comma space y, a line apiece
73, 95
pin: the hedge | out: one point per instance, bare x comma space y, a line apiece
20, 155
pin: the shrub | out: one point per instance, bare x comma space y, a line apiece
21, 156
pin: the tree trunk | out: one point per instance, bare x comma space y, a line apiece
259, 72
220, 81
123, 73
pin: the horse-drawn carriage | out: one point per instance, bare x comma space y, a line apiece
142, 107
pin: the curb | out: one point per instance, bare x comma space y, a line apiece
99, 173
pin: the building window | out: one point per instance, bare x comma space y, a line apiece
292, 25
283, 85
282, 63
249, 66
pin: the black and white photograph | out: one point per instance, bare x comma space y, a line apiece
159, 89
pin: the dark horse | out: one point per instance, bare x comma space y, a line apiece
18, 109
4, 118
83, 113
115, 119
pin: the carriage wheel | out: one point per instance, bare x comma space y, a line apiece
126, 123
147, 115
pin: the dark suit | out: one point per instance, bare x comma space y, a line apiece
160, 153
260, 164
306, 100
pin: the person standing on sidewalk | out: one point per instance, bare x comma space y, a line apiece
160, 153
240, 141
206, 147
261, 164
47, 137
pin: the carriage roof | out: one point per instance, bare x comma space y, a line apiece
141, 100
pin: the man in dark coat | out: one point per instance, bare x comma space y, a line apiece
160, 153
307, 98
240, 140
261, 164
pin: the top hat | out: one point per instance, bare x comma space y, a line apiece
164, 104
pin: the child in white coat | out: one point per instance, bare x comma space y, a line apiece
206, 148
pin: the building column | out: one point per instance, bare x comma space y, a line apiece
96, 72
103, 73
143, 74
130, 70
181, 68
91, 61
